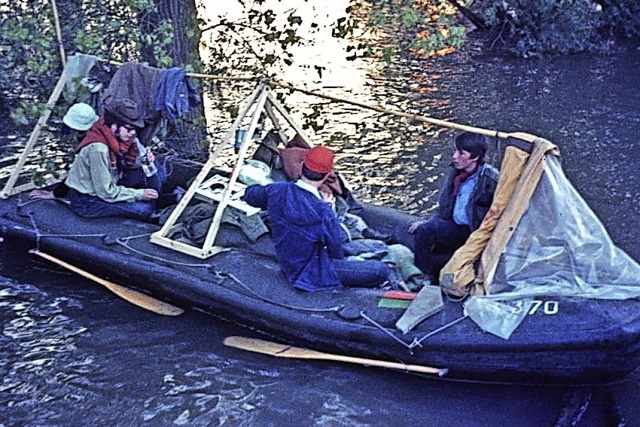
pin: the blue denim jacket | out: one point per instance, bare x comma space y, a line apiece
175, 93
305, 232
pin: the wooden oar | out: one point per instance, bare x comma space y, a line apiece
134, 297
282, 350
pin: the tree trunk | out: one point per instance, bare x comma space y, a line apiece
188, 134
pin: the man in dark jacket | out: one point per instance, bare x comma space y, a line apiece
306, 232
465, 198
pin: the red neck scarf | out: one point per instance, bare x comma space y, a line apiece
462, 177
126, 151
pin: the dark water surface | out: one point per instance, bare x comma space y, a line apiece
71, 353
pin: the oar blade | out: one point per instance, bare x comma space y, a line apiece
282, 350
257, 346
134, 297
145, 301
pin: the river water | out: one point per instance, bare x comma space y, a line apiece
73, 354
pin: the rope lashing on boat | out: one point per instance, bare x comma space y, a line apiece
35, 229
270, 301
40, 235
222, 276
123, 241
418, 342
383, 329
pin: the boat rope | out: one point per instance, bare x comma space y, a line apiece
418, 343
39, 235
383, 329
124, 242
35, 229
222, 276
270, 301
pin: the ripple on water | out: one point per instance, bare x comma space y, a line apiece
215, 392
39, 354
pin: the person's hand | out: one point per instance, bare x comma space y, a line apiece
328, 197
41, 195
149, 194
150, 156
414, 225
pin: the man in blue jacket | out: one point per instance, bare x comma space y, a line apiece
306, 231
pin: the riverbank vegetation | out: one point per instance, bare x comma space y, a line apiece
36, 35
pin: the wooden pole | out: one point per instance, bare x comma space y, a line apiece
134, 297
280, 350
58, 32
8, 187
415, 117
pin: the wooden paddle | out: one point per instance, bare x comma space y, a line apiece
282, 350
134, 297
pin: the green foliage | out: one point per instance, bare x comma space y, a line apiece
424, 27
254, 43
533, 29
31, 62
315, 119
521, 27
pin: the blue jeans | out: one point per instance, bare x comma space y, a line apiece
364, 274
435, 242
135, 178
94, 207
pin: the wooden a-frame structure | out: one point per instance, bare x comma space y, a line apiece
227, 191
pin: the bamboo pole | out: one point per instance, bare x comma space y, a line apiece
58, 32
424, 119
8, 188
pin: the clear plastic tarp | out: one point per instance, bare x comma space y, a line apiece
559, 248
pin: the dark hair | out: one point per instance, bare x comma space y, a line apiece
312, 175
473, 143
110, 119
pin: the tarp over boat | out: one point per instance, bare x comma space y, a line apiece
540, 238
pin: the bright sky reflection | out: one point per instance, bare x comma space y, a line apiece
320, 49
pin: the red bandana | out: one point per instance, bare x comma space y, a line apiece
100, 132
462, 177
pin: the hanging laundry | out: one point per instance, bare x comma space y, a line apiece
137, 82
175, 93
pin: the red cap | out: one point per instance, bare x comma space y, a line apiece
319, 159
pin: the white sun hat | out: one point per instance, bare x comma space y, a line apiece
80, 116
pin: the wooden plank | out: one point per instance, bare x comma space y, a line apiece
53, 98
217, 217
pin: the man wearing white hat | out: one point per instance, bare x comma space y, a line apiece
78, 119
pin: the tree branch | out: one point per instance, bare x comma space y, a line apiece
475, 19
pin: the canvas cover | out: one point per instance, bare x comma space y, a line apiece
540, 239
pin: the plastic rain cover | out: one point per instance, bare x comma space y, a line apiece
560, 248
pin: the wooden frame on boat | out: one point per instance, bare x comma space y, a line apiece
259, 103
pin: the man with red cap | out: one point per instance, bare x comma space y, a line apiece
306, 231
